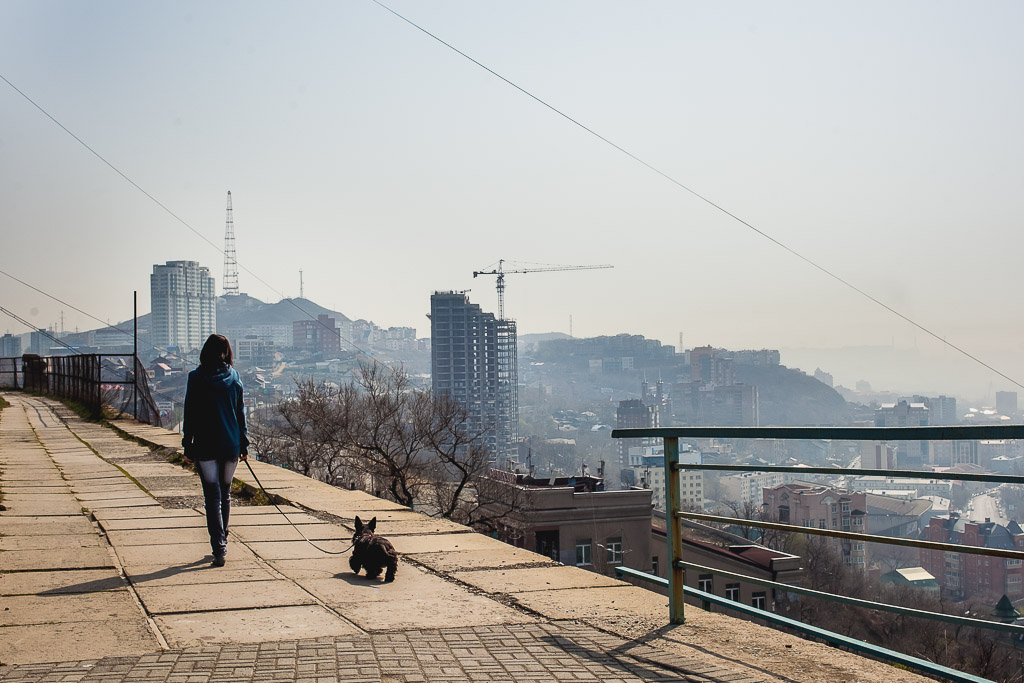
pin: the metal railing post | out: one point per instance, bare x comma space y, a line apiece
673, 531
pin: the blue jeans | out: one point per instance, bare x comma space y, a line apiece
216, 476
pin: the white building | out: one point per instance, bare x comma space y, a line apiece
279, 335
184, 305
922, 487
745, 487
648, 465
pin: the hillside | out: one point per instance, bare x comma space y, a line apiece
791, 398
244, 310
539, 337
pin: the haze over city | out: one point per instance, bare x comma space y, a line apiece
880, 141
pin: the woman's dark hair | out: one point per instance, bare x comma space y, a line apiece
216, 350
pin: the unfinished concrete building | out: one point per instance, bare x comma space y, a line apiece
473, 358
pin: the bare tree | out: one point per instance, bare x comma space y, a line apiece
893, 557
776, 539
302, 435
385, 424
389, 437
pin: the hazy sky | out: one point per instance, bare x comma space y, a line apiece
882, 140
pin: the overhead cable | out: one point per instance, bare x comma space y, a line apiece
699, 196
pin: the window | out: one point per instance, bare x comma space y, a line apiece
614, 550
759, 600
654, 565
845, 506
821, 524
858, 546
706, 583
583, 550
858, 521
1010, 563
732, 591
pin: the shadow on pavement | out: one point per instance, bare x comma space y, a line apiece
116, 582
637, 663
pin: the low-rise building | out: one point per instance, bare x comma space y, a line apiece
915, 577
320, 336
823, 507
573, 520
922, 487
716, 549
963, 576
895, 517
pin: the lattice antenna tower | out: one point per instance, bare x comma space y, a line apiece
230, 261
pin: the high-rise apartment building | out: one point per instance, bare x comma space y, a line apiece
635, 414
473, 358
10, 346
1006, 403
39, 341
942, 411
184, 305
910, 455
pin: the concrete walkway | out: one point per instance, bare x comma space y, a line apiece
105, 576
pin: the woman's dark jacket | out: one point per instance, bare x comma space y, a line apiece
214, 417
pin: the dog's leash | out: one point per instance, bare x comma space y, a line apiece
271, 499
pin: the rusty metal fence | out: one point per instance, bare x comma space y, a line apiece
115, 381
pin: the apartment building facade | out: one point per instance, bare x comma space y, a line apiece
184, 305
473, 358
573, 520
823, 507
964, 577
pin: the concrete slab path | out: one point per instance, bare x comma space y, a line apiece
104, 576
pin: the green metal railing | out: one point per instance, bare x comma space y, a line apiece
675, 580
830, 637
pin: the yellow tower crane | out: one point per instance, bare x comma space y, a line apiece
501, 273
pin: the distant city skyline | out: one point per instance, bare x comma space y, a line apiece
879, 140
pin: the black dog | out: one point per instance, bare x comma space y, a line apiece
372, 552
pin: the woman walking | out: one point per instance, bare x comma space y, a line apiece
215, 435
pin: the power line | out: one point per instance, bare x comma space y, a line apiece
698, 195
580, 125
38, 330
176, 217
46, 333
90, 315
149, 344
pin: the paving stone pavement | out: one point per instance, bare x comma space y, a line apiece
537, 652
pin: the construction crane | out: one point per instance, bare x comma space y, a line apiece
501, 273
